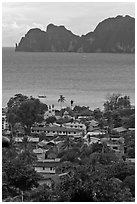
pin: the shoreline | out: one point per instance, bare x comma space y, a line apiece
50, 100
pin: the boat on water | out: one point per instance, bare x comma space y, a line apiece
42, 96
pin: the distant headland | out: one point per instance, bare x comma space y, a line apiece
115, 35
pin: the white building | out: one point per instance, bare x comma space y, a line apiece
96, 132
75, 125
62, 131
47, 166
50, 112
92, 139
5, 125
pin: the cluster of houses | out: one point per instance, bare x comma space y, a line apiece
5, 125
48, 140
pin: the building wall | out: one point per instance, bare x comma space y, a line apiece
56, 132
50, 112
76, 126
5, 125
50, 170
41, 156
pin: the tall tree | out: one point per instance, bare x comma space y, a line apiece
61, 100
67, 144
16, 101
30, 112
71, 103
25, 110
116, 101
12, 119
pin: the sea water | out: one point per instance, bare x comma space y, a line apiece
85, 78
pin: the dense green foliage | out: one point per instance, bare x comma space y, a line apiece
84, 184
17, 170
25, 110
51, 119
93, 172
116, 101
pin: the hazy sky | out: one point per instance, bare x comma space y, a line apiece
80, 17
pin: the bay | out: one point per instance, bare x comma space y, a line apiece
86, 78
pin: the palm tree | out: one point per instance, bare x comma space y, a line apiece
12, 119
61, 100
71, 103
25, 142
68, 143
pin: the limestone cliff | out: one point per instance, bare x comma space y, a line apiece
111, 35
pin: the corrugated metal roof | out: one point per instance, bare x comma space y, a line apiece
131, 129
56, 129
47, 163
119, 129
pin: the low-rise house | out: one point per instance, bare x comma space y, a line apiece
92, 140
46, 144
53, 179
63, 131
119, 130
93, 123
50, 112
66, 115
47, 166
130, 160
40, 153
5, 125
96, 132
116, 144
76, 125
131, 129
81, 117
47, 160
31, 140
49, 153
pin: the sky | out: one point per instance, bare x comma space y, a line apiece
79, 17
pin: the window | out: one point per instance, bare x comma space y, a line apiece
43, 168
53, 131
115, 148
37, 130
51, 168
63, 132
74, 132
60, 132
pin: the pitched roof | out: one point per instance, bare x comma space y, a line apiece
119, 129
93, 123
47, 162
57, 128
30, 139
66, 113
131, 129
39, 151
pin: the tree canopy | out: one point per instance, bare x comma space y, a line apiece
25, 110
116, 101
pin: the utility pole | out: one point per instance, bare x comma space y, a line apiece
21, 196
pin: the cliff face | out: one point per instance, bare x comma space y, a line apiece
55, 39
111, 35
115, 35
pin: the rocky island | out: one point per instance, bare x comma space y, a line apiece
116, 35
